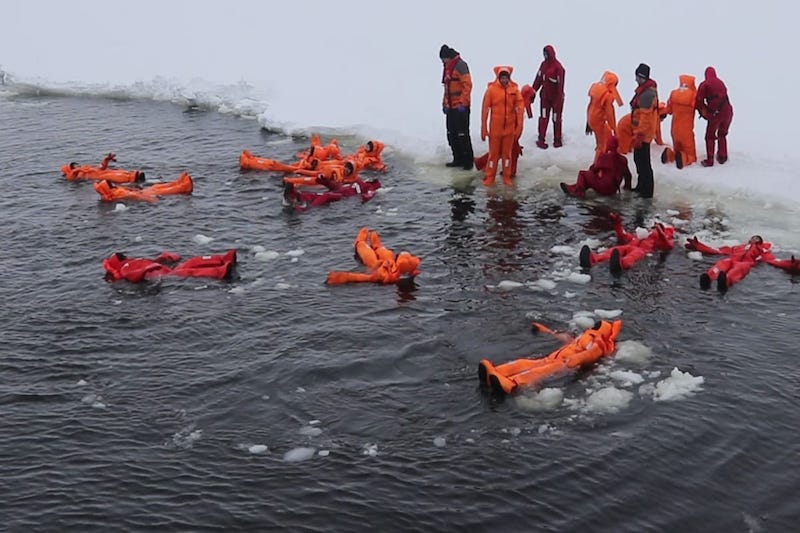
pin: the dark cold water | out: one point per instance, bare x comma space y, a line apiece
128, 408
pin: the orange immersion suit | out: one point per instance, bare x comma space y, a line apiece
600, 115
73, 171
368, 156
681, 105
113, 193
501, 121
590, 346
384, 267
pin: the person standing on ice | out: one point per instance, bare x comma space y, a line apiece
455, 105
714, 105
501, 122
549, 82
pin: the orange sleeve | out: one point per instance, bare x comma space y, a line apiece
340, 278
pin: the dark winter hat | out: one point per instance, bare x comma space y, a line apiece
643, 70
445, 52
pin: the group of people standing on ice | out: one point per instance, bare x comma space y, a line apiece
505, 103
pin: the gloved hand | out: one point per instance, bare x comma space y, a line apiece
691, 244
444, 110
461, 109
615, 218
484, 133
588, 129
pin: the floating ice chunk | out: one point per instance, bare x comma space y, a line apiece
632, 352
508, 285
695, 256
370, 449
542, 284
313, 422
257, 248
81, 383
546, 399
678, 385
563, 250
570, 294
608, 313
584, 322
626, 378
672, 212
295, 253
297, 455
138, 238
120, 207
310, 431
282, 286
577, 277
237, 290
324, 453
608, 400
267, 255
257, 448
201, 239
440, 442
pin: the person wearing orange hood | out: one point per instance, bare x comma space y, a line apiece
680, 105
714, 105
516, 148
501, 121
604, 176
549, 81
455, 105
601, 118
384, 266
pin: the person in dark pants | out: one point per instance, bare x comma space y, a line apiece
644, 122
455, 105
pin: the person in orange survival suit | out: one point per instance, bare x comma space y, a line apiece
680, 105
501, 121
110, 192
384, 266
73, 171
455, 105
714, 105
135, 270
593, 344
632, 249
732, 269
516, 149
601, 119
344, 171
605, 175
549, 81
368, 156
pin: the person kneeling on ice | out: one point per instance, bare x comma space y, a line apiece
135, 270
632, 249
741, 258
384, 266
302, 200
605, 175
593, 344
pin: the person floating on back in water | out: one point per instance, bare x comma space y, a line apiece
593, 344
740, 259
384, 266
606, 174
631, 249
73, 171
302, 200
135, 270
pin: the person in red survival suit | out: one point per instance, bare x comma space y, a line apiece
135, 270
732, 269
549, 81
714, 105
302, 200
631, 249
605, 175
384, 266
